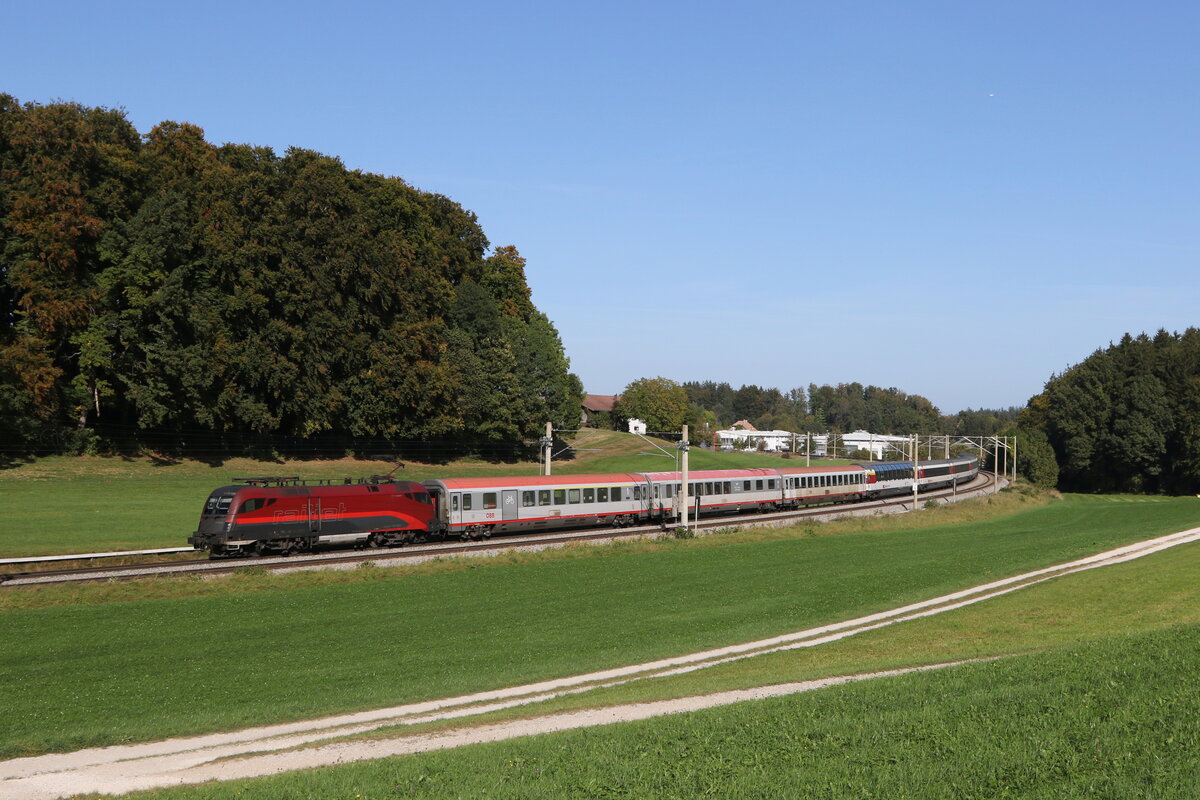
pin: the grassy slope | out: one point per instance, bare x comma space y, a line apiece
133, 670
72, 505
1118, 718
1106, 704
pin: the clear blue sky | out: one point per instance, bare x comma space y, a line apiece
957, 199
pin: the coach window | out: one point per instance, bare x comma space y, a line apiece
573, 496
758, 485
637, 492
489, 499
708, 490
728, 487
467, 502
454, 502
602, 494
528, 499
543, 497
772, 484
560, 497
589, 495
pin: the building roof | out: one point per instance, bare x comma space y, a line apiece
600, 402
743, 424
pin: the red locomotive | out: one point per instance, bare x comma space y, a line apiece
284, 515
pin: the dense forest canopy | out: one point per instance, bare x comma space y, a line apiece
159, 281
1127, 418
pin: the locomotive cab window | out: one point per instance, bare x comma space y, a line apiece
253, 504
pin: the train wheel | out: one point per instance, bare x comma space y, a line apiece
261, 548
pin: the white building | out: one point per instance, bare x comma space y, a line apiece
744, 436
877, 444
637, 426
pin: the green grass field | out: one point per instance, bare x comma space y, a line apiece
100, 666
77, 505
1117, 718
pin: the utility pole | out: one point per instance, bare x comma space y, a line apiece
995, 465
681, 497
1014, 477
1005, 456
916, 442
547, 447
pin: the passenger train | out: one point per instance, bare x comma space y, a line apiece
282, 515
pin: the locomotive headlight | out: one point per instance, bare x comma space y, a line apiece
228, 525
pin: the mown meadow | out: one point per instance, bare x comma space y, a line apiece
1115, 718
135, 661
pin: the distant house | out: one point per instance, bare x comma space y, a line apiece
597, 404
742, 435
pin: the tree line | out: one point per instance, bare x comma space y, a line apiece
666, 405
160, 282
1127, 418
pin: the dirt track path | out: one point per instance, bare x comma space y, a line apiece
268, 750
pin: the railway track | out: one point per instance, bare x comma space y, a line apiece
415, 553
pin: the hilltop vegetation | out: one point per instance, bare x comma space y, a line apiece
1127, 418
159, 281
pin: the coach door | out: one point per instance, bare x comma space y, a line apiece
509, 504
